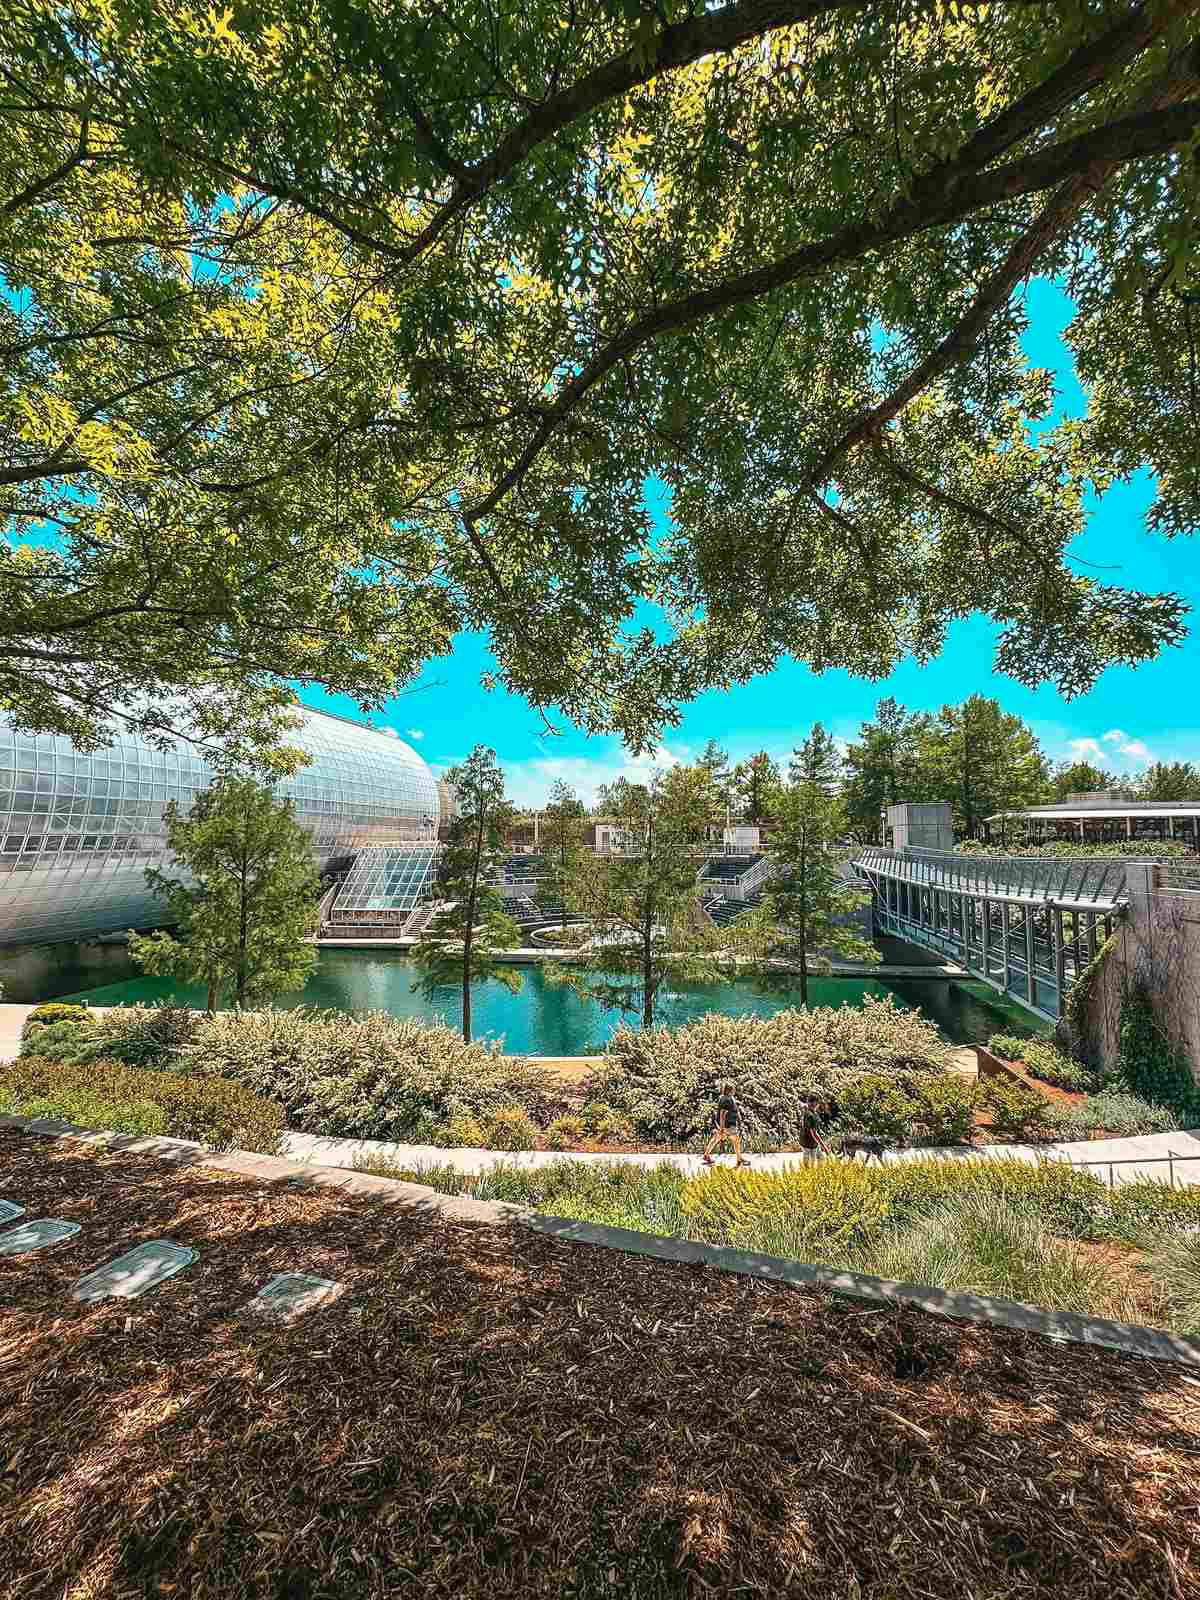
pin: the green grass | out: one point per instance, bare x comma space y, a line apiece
994, 1227
990, 1245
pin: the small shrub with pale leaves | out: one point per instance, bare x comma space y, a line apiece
368, 1077
667, 1081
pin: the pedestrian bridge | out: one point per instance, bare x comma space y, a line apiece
1026, 926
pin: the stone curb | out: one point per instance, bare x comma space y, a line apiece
275, 1170
1062, 1326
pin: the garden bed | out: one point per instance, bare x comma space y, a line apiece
488, 1412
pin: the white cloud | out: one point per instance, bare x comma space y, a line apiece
1114, 748
415, 733
1087, 750
527, 783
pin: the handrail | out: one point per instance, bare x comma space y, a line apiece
1069, 880
1171, 1157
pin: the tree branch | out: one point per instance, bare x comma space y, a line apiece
958, 197
1181, 78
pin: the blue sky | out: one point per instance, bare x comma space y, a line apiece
1129, 718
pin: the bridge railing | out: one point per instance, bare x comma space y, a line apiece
1066, 879
1177, 875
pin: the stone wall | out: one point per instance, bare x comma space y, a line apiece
1157, 946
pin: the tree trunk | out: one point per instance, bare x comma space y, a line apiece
647, 980
243, 935
803, 975
212, 997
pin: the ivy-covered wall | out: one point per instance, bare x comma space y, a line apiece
1155, 949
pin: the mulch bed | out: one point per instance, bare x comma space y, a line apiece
487, 1412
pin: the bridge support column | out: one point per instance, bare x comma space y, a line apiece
1060, 960
1030, 978
1004, 921
985, 942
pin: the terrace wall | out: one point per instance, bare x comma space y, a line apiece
1157, 947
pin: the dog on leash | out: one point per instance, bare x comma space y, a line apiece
867, 1143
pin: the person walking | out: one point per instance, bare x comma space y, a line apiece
725, 1129
812, 1146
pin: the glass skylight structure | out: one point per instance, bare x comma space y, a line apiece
77, 832
386, 883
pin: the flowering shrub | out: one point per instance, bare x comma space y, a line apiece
668, 1081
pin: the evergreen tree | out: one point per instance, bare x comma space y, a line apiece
817, 761
459, 945
1080, 777
248, 906
561, 836
646, 924
754, 783
808, 901
715, 762
883, 768
983, 760
1173, 780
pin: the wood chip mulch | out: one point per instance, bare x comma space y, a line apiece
489, 1412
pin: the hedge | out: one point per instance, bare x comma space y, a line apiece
109, 1094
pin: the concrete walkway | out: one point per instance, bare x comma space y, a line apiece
1145, 1154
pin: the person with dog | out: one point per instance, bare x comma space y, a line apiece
812, 1146
725, 1128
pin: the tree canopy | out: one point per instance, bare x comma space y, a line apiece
329, 329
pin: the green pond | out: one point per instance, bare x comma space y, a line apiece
545, 1020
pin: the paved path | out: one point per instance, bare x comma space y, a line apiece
1145, 1153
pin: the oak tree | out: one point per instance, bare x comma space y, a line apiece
330, 330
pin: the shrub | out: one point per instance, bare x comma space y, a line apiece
87, 1110
814, 1213
1152, 1066
988, 1245
1008, 1046
946, 1109
56, 1011
1016, 1112
603, 1123
221, 1115
594, 1114
876, 1105
566, 1133
368, 1077
1063, 1198
70, 1040
668, 1081
1147, 1210
462, 1132
1046, 1061
1121, 1115
137, 1035
1175, 1268
510, 1128
145, 1036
